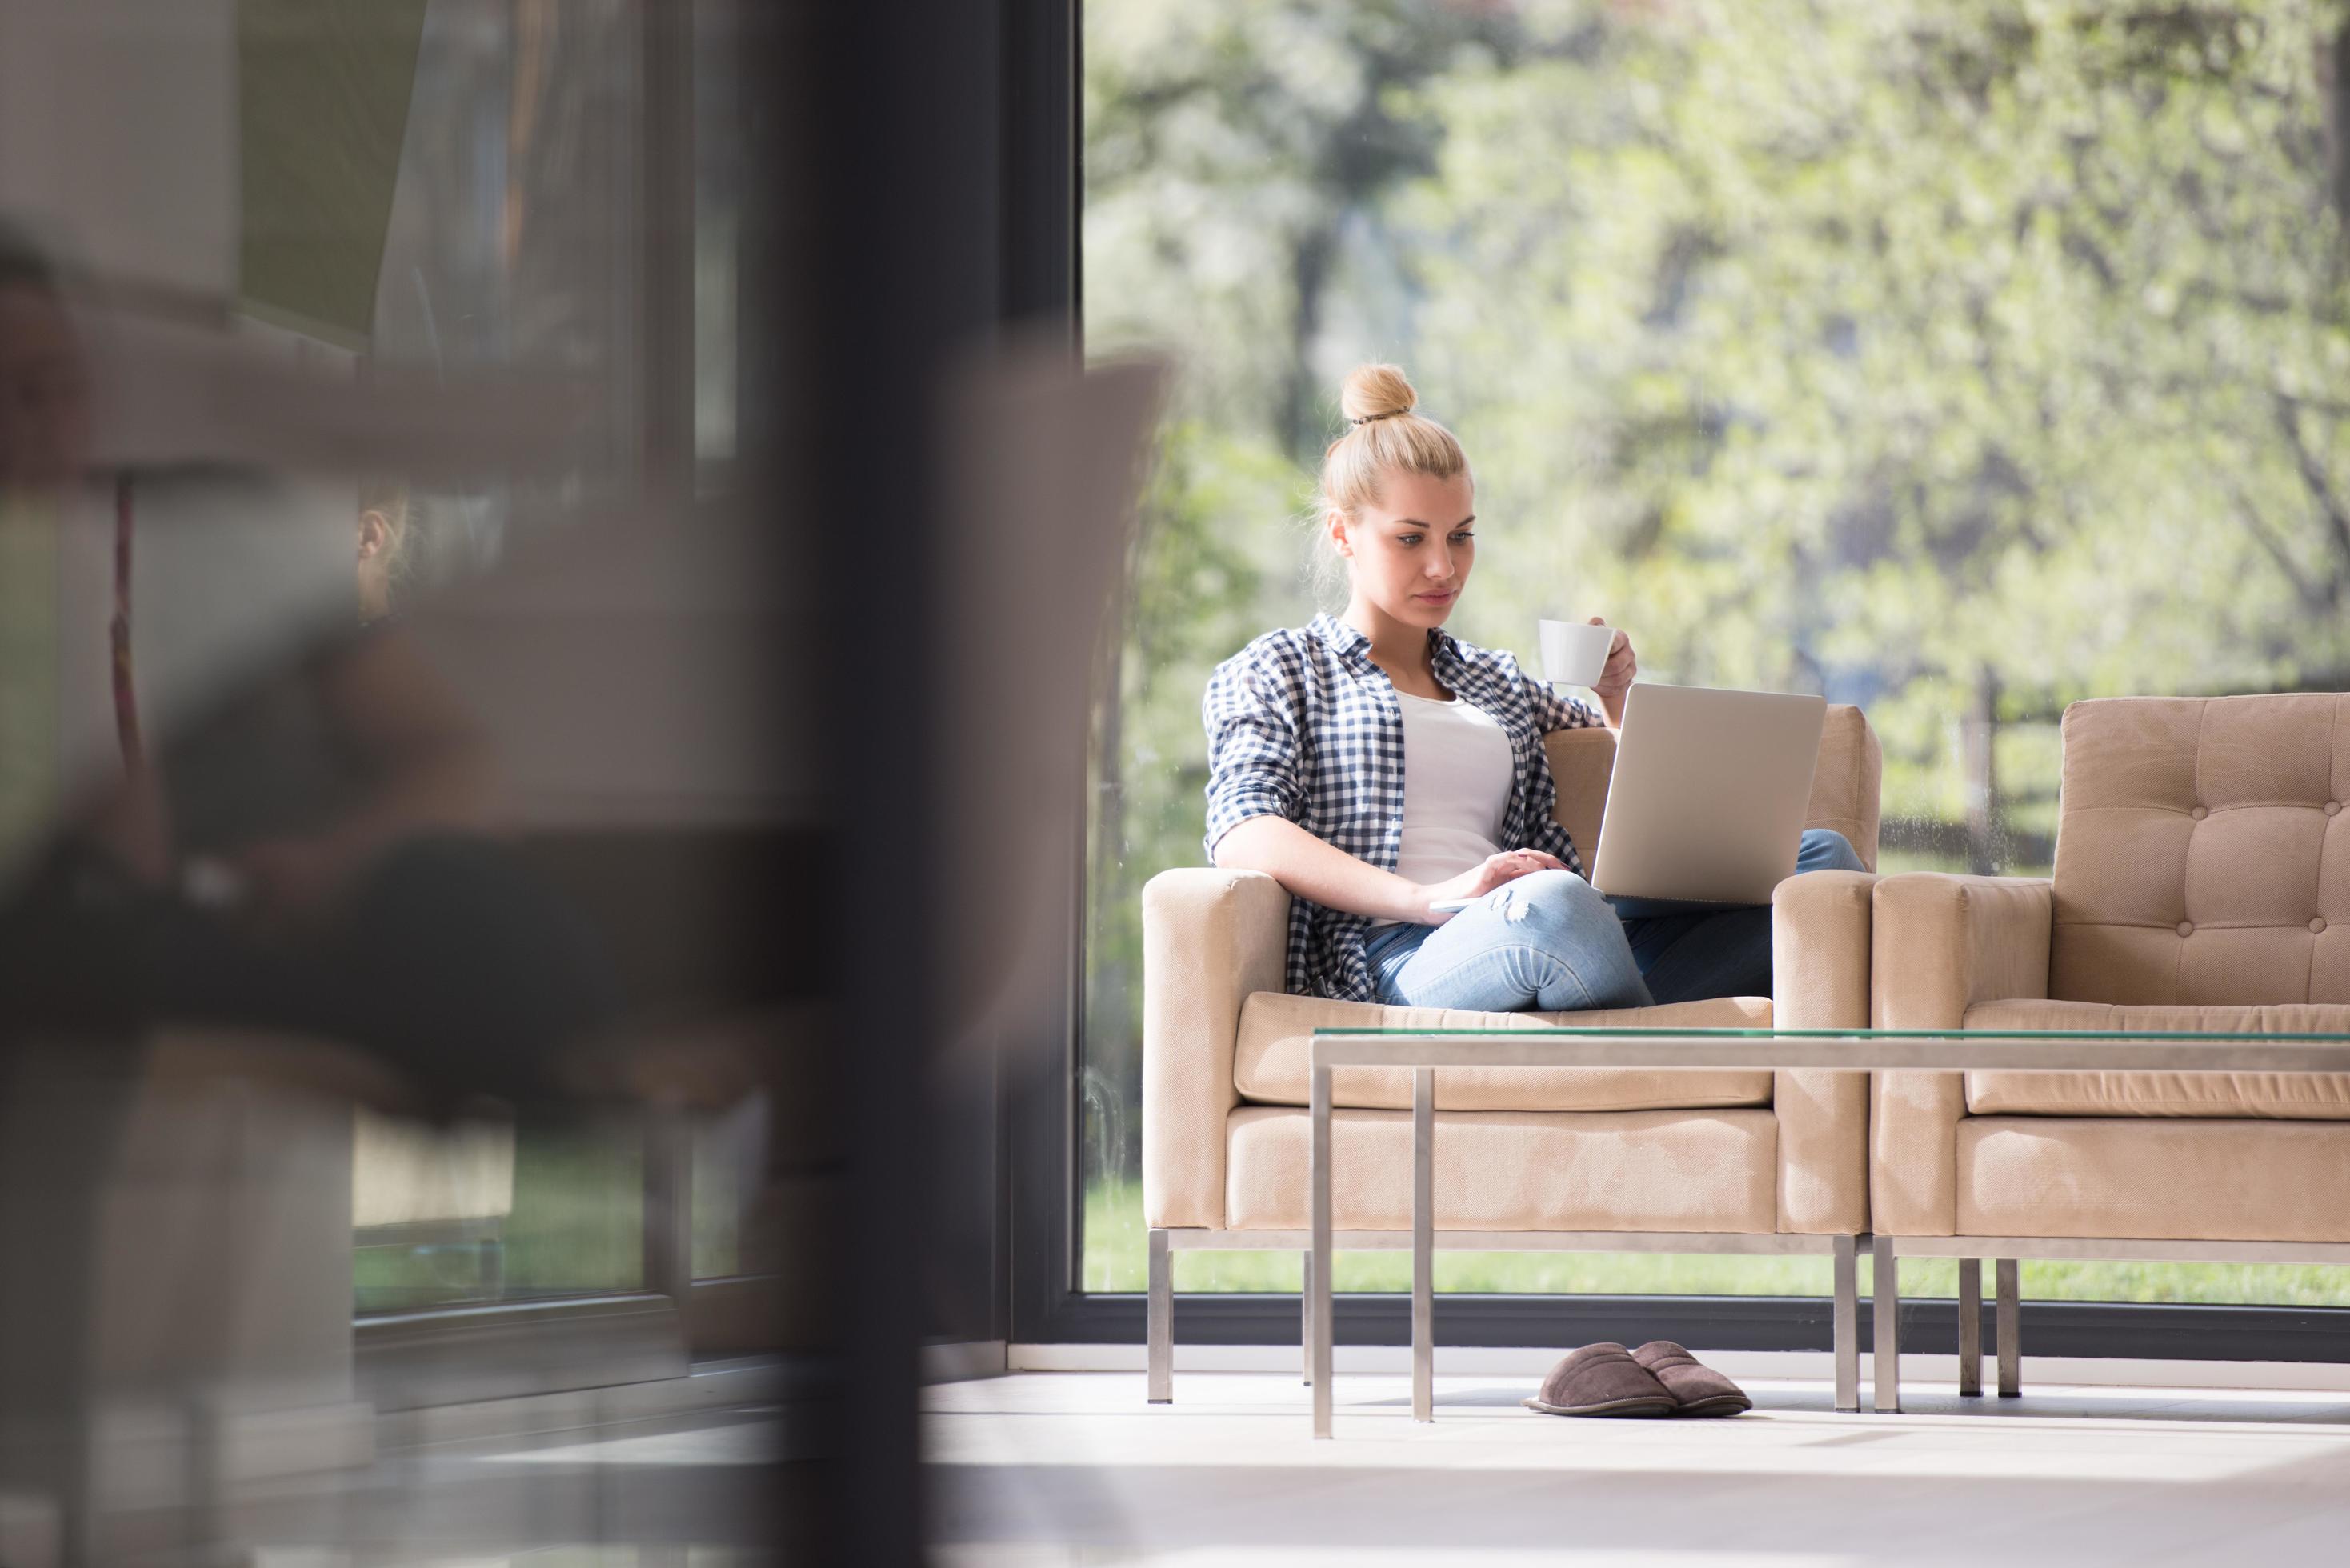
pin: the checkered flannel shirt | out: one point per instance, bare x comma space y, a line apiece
1303, 726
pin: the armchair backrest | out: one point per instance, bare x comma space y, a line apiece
1844, 788
2203, 851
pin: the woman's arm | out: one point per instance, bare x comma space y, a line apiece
1311, 869
1256, 792
434, 770
432, 773
1314, 868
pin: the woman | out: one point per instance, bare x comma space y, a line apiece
1377, 767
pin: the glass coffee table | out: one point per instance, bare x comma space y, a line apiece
1425, 1051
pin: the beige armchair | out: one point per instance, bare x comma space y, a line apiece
1575, 1159
2202, 884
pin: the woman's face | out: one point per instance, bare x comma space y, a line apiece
1409, 554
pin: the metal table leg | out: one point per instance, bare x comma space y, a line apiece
1159, 1327
1886, 1302
1423, 1244
1847, 1322
1970, 1326
1306, 1315
2009, 1328
1320, 1293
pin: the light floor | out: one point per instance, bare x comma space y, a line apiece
694, 1491
1075, 1468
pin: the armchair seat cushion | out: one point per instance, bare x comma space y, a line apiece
1269, 1060
1515, 1170
2288, 1097
2160, 1180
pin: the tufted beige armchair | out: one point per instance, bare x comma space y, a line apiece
2202, 884
1576, 1158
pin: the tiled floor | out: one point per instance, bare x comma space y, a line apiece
1063, 1467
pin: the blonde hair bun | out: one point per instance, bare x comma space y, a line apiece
1384, 435
1377, 392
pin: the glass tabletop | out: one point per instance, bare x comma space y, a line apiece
1582, 1032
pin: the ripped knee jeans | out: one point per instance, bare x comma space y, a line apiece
1548, 942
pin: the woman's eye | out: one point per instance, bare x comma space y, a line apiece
1463, 536
1408, 539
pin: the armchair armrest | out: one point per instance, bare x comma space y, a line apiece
1581, 762
1819, 977
1941, 944
1210, 938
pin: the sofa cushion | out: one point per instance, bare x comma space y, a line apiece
1269, 1063
2160, 1180
2291, 1096
1514, 1170
2203, 854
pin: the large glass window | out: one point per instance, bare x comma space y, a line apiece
518, 207
1955, 361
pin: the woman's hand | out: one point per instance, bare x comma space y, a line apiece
1482, 879
1615, 681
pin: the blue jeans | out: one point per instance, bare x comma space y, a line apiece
1551, 942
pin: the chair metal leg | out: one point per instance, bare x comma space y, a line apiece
1306, 1317
1319, 1202
1885, 1304
1970, 1326
1847, 1322
1160, 1320
2010, 1327
1423, 1244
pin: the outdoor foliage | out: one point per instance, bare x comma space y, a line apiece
1957, 360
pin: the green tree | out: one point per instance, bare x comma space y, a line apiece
1909, 351
1957, 360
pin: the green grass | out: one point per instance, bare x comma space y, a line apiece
576, 1228
1113, 1260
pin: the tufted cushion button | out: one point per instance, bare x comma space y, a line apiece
2318, 924
2186, 928
2199, 814
2333, 807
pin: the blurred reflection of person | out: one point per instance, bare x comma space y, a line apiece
44, 431
313, 853
44, 387
387, 551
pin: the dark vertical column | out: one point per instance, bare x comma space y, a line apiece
1043, 147
879, 239
1043, 293
1042, 199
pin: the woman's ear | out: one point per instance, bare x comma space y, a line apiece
375, 528
1335, 521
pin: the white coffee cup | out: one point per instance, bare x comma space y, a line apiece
1573, 654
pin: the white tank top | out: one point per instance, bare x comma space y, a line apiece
1457, 774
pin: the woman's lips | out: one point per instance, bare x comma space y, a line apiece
1442, 599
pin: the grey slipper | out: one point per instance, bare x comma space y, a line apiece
1602, 1380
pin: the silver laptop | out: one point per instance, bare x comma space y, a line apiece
1709, 794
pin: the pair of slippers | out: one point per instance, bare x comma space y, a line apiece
1659, 1378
